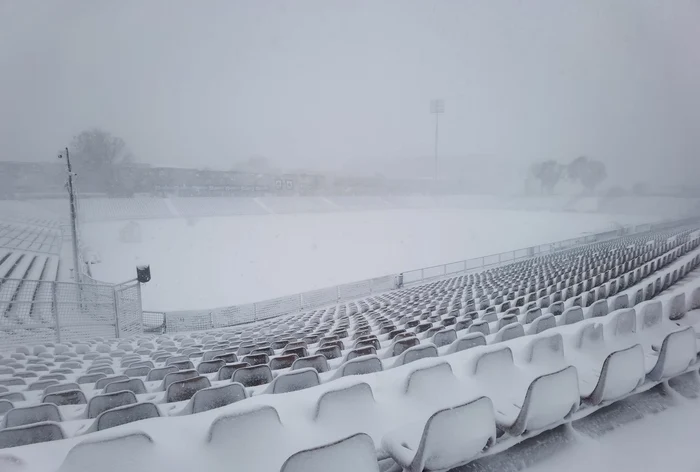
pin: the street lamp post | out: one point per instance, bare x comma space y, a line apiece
73, 217
437, 107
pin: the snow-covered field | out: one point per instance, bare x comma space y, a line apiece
219, 261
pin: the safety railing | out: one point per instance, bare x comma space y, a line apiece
194, 320
38, 311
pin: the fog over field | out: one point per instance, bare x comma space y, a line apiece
212, 262
349, 235
340, 86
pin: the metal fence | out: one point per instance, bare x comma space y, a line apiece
35, 311
190, 320
193, 320
43, 311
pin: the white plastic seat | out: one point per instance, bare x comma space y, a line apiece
570, 316
542, 323
509, 331
359, 366
621, 373
30, 434
415, 353
132, 451
247, 435
294, 380
467, 342
550, 399
546, 350
107, 401
352, 454
678, 351
30, 415
134, 385
451, 437
123, 415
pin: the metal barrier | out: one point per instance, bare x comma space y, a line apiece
153, 322
427, 274
193, 320
35, 311
42, 311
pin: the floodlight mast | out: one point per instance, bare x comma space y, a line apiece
73, 217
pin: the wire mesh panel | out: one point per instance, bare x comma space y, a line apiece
36, 311
475, 263
506, 256
153, 322
277, 306
26, 312
232, 315
128, 308
491, 260
412, 276
383, 284
354, 290
318, 298
520, 253
456, 267
188, 320
432, 272
84, 311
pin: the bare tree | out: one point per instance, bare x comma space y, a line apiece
589, 172
548, 173
99, 160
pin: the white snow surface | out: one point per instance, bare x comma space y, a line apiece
218, 261
663, 442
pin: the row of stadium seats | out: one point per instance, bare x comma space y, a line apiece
100, 384
29, 263
26, 287
30, 237
435, 413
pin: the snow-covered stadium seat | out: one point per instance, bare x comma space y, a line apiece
132, 451
435, 446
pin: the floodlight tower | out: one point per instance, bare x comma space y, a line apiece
73, 216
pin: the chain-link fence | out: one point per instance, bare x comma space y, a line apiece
34, 311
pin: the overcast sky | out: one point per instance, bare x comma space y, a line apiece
346, 85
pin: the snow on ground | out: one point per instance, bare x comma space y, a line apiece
219, 261
663, 441
654, 431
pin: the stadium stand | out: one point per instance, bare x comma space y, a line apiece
29, 262
513, 351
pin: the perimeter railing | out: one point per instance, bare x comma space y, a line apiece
192, 320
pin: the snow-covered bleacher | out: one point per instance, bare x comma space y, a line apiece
36, 235
29, 264
427, 377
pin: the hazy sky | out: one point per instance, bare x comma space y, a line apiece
346, 85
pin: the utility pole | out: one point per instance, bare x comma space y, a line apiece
437, 107
73, 218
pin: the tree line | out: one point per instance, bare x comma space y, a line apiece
588, 172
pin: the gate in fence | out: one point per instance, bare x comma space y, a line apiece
34, 311
127, 302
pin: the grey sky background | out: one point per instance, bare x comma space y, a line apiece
345, 86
